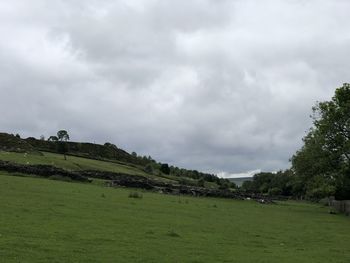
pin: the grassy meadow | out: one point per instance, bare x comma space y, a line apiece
44, 220
75, 163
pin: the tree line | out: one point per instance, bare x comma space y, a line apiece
321, 168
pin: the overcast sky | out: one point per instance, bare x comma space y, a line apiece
219, 86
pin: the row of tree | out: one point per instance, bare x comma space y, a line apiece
157, 168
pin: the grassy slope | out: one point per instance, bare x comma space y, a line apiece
50, 221
72, 162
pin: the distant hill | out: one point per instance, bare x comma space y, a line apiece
239, 181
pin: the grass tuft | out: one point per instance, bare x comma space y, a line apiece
135, 195
172, 233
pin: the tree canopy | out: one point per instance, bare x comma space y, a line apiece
61, 139
63, 135
321, 168
323, 163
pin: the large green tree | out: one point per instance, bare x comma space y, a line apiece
323, 163
164, 168
63, 135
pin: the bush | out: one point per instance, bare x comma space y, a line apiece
233, 185
164, 168
224, 186
172, 233
135, 195
317, 193
200, 182
149, 169
274, 191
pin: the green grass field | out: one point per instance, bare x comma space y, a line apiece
75, 163
44, 220
72, 163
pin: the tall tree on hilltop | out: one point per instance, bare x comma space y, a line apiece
164, 168
63, 135
62, 147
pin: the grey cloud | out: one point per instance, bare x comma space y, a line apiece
219, 86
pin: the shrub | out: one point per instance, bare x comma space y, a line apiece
135, 195
164, 168
149, 169
200, 182
172, 233
224, 186
275, 191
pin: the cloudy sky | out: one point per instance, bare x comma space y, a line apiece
214, 85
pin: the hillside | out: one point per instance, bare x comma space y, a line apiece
73, 163
91, 162
9, 142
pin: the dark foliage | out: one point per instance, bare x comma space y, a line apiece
321, 168
164, 168
323, 163
135, 195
